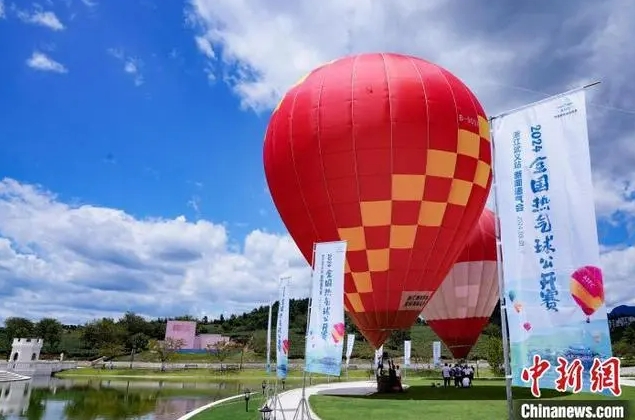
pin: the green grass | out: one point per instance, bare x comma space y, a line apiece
233, 410
484, 401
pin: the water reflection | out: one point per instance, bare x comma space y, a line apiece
56, 399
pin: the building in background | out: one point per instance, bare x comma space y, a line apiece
193, 343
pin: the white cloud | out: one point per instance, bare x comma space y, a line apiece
79, 262
2, 13
508, 56
42, 62
131, 65
41, 18
89, 3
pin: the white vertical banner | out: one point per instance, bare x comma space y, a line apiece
282, 329
325, 338
436, 353
350, 342
550, 252
268, 367
378, 354
406, 353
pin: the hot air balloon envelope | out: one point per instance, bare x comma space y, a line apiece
462, 306
392, 154
587, 288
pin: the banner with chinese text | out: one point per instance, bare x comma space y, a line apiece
268, 367
350, 342
551, 258
282, 330
406, 353
379, 354
325, 338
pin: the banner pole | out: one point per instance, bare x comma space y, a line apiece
520, 108
501, 293
303, 406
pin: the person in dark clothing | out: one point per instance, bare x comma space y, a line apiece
458, 373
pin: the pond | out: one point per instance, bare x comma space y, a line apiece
59, 399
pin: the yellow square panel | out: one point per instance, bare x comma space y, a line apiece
378, 259
363, 283
431, 213
354, 237
460, 192
402, 237
483, 128
469, 143
441, 163
356, 302
483, 172
376, 213
408, 187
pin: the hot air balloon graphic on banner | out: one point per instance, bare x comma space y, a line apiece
392, 154
587, 289
464, 302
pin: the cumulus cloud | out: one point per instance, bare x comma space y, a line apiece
42, 62
41, 18
508, 54
82, 261
131, 65
2, 13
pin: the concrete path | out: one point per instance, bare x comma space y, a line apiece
288, 402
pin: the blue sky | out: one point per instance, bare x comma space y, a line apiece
131, 134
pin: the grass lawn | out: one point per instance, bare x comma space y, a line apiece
196, 375
484, 401
233, 410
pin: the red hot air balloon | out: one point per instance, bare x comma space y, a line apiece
464, 302
392, 154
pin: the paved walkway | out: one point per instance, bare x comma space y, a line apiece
288, 402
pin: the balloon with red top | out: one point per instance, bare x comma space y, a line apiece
466, 299
390, 153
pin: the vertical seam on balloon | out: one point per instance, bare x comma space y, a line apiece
388, 285
355, 164
295, 169
425, 101
319, 141
418, 283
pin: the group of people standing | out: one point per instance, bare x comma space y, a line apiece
461, 374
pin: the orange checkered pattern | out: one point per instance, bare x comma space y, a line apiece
381, 237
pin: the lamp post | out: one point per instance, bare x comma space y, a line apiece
247, 395
265, 412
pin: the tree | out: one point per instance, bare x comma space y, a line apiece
494, 354
99, 334
16, 327
50, 330
221, 350
111, 350
166, 349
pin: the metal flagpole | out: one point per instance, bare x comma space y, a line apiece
520, 108
499, 262
303, 412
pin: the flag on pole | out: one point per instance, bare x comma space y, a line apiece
282, 330
268, 367
325, 338
553, 282
406, 353
436, 353
378, 355
350, 342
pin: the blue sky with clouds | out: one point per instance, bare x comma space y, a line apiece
131, 134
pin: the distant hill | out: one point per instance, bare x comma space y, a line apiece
622, 311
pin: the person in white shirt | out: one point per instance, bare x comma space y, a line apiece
445, 371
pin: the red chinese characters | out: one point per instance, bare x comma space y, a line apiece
533, 373
569, 375
605, 375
